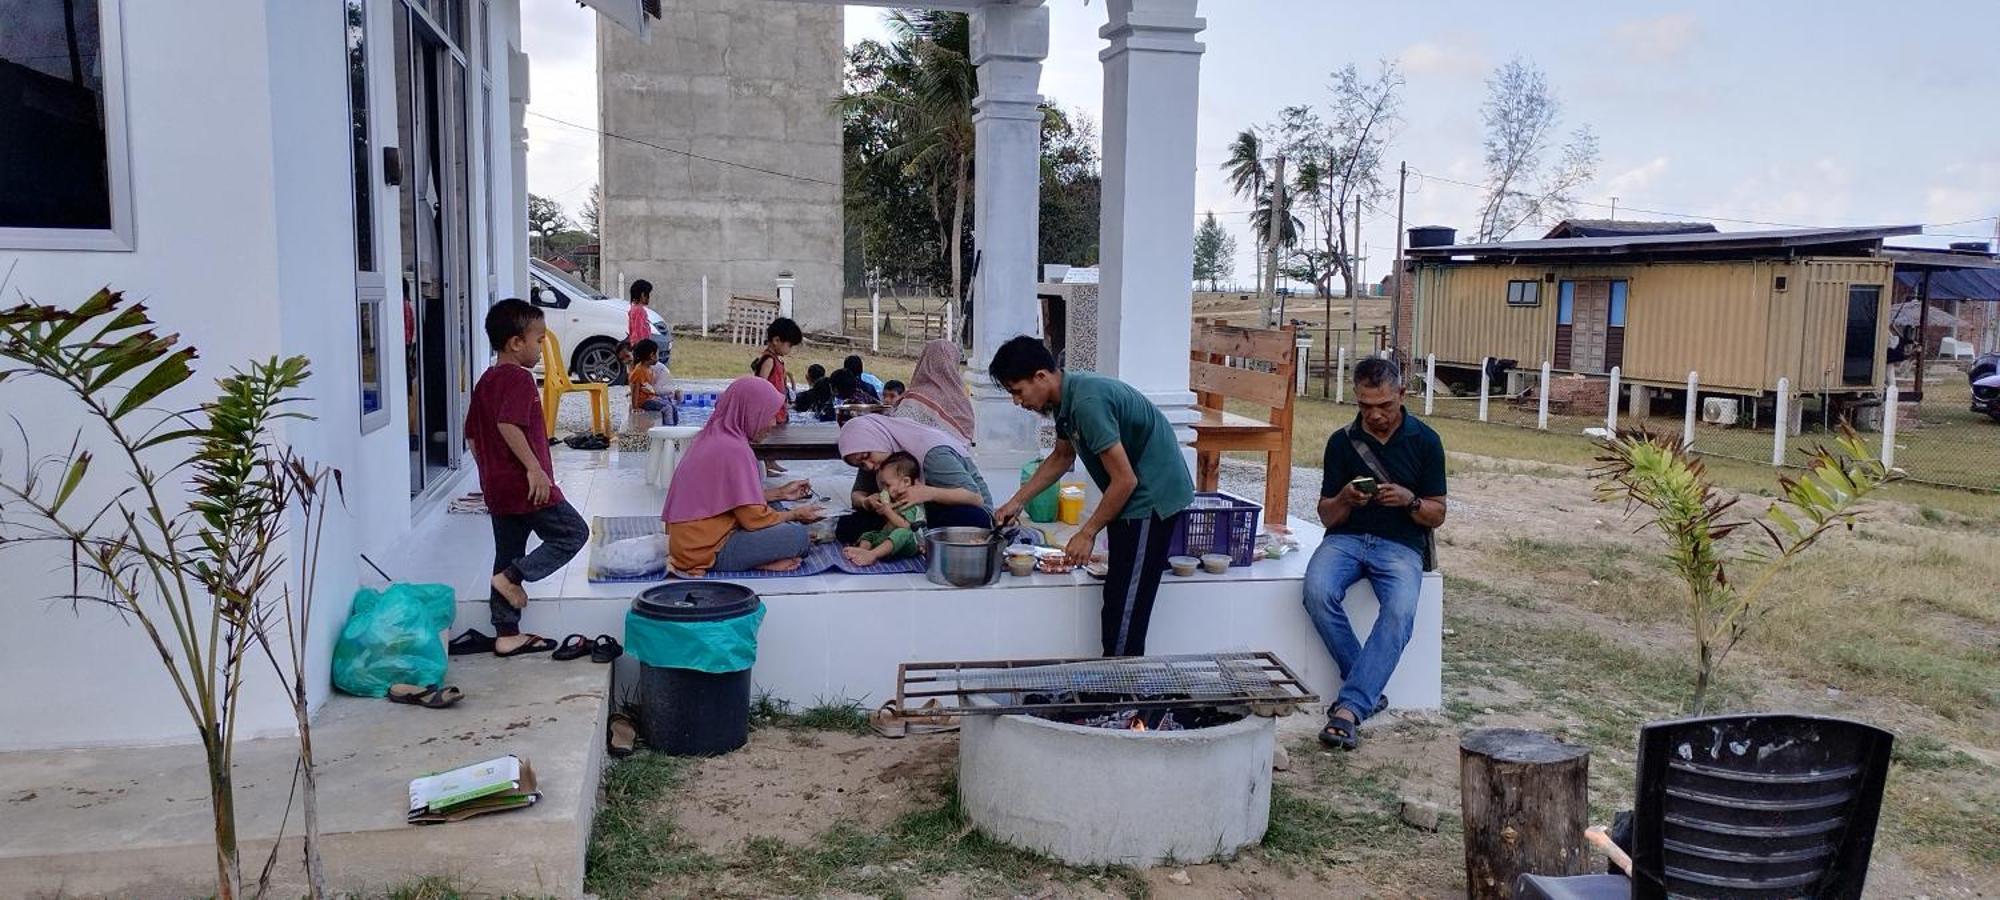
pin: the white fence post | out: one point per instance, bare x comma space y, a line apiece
1485, 367
1687, 421
1430, 382
1611, 408
1302, 354
1542, 401
704, 306
1891, 398
1783, 423
875, 322
1340, 378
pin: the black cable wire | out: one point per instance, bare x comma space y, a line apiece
687, 153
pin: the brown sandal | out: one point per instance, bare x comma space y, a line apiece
622, 735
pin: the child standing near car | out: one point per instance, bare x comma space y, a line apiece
638, 326
510, 443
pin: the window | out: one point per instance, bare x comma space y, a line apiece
65, 182
1524, 293
374, 409
1618, 304
357, 114
1566, 303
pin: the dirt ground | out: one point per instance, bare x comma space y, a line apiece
1557, 620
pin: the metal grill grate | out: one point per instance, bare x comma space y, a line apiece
995, 687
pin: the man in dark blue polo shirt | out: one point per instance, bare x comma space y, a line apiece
1383, 493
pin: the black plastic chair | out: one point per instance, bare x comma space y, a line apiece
1757, 806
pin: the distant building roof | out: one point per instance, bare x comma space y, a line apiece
564, 263
1702, 245
1583, 228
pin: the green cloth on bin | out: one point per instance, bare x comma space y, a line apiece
717, 647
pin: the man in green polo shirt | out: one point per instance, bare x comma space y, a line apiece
1129, 449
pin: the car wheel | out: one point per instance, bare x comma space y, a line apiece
597, 361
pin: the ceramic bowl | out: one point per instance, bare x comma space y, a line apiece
1183, 565
1216, 563
1021, 565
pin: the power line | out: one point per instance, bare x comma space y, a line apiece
687, 153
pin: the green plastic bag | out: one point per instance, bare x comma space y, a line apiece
393, 637
719, 647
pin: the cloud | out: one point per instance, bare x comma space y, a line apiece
560, 40
1818, 193
1969, 190
1633, 183
1449, 57
1664, 39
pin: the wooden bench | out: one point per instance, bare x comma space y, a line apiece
747, 318
1230, 362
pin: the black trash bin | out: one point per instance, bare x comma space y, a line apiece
694, 665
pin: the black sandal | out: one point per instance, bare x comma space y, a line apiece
607, 649
472, 640
432, 697
1340, 734
539, 644
574, 646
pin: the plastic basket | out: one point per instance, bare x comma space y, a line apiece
1217, 522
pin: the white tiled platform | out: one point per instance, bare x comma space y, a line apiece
837, 636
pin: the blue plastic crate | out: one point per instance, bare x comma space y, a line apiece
1218, 522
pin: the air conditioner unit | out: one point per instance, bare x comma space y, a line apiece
1719, 410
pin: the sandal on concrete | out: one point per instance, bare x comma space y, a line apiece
574, 646
432, 697
535, 644
605, 649
471, 640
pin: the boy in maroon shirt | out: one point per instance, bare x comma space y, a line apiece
510, 443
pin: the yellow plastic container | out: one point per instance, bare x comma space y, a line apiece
1069, 504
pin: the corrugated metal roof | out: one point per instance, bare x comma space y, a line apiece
1577, 228
1726, 242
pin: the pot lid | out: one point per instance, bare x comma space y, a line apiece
696, 601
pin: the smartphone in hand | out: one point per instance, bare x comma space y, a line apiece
1365, 485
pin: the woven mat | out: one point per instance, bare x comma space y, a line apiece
617, 528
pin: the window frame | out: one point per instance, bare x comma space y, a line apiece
371, 292
120, 236
1617, 305
1530, 290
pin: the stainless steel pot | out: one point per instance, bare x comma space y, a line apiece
964, 557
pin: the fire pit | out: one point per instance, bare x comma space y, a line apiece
1116, 762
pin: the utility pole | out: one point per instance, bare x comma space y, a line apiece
1274, 239
1396, 299
1354, 299
1614, 209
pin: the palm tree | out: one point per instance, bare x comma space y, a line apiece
925, 87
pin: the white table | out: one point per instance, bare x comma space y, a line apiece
663, 451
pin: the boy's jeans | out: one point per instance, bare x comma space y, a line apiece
1396, 572
563, 533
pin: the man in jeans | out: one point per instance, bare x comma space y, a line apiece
1383, 493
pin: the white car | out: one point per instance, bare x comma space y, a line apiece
587, 324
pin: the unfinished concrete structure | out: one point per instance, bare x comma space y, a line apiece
748, 81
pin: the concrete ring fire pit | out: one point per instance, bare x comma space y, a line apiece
1097, 796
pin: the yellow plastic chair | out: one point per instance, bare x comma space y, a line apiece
556, 382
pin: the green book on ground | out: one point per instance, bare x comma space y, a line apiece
495, 785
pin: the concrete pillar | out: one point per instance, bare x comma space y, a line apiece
1152, 74
1640, 404
1008, 44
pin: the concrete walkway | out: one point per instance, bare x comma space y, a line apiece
135, 822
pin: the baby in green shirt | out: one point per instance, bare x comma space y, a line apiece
898, 539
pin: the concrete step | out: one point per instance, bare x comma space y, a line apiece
135, 822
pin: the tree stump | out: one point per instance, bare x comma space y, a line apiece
1526, 803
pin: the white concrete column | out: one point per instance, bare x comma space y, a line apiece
785, 285
1152, 87
1008, 44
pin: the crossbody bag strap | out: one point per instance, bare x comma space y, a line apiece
1374, 464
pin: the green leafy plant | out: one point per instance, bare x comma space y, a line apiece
1659, 474
186, 534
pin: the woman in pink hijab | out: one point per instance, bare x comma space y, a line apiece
936, 395
952, 492
718, 511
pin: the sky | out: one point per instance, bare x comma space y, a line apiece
1787, 112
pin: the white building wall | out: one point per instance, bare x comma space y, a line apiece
244, 245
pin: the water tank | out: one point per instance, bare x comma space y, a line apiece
1432, 236
1973, 246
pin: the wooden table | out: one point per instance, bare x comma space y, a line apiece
817, 440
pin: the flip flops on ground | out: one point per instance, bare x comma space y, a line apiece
602, 649
469, 641
622, 735
431, 696
534, 644
890, 721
